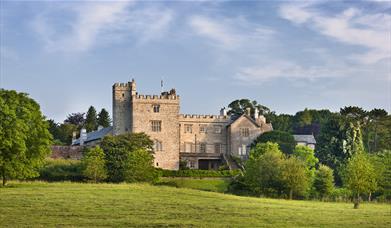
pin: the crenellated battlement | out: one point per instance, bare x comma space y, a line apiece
155, 97
127, 85
194, 116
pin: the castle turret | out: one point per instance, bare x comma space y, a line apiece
122, 96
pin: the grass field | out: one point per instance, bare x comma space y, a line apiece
206, 184
120, 205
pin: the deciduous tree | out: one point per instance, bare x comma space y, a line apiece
94, 164
324, 181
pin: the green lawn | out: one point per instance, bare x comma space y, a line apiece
206, 184
121, 205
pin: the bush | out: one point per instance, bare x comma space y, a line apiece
94, 164
341, 195
198, 173
61, 170
139, 167
285, 140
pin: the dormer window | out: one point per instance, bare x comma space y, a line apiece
156, 108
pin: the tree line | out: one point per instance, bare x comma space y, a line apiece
63, 132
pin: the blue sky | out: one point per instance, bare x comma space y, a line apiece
286, 55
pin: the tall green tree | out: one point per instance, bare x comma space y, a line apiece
75, 119
324, 181
139, 167
282, 122
118, 149
91, 123
294, 176
24, 136
360, 176
285, 140
104, 118
94, 166
307, 155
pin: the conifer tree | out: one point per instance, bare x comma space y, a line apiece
103, 118
91, 120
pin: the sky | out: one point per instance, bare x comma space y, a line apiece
286, 55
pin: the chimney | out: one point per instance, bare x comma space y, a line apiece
100, 127
83, 136
223, 112
73, 137
256, 113
248, 111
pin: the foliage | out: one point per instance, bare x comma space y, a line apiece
61, 170
104, 118
24, 136
261, 148
285, 140
324, 181
341, 195
198, 173
238, 107
307, 155
282, 122
360, 176
263, 171
75, 119
382, 164
294, 177
94, 164
117, 150
91, 123
139, 167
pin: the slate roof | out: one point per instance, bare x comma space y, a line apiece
309, 139
234, 118
95, 135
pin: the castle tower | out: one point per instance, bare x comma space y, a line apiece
122, 96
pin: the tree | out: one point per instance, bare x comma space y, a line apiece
307, 155
118, 149
238, 107
91, 123
263, 169
54, 130
139, 167
75, 119
324, 181
360, 176
282, 122
104, 118
94, 164
294, 176
24, 136
285, 140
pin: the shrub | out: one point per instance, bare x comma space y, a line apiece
139, 167
285, 140
94, 166
340, 195
61, 170
324, 181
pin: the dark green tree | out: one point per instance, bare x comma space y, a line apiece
238, 107
282, 122
284, 139
93, 163
324, 181
75, 119
118, 149
24, 136
91, 123
104, 118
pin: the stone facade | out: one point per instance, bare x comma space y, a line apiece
203, 141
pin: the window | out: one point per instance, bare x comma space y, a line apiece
202, 148
242, 150
156, 108
157, 163
192, 164
123, 95
188, 128
217, 129
244, 132
158, 145
217, 148
156, 125
203, 128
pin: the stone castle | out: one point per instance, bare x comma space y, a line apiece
202, 141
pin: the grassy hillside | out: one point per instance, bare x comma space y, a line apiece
74, 204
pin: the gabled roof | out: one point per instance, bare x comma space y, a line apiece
310, 139
95, 135
235, 118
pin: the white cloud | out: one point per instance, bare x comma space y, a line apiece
100, 22
352, 26
229, 33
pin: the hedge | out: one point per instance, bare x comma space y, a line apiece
61, 170
199, 173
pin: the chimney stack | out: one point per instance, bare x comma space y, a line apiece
248, 111
83, 136
223, 112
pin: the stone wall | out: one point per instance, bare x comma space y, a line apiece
121, 107
67, 152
